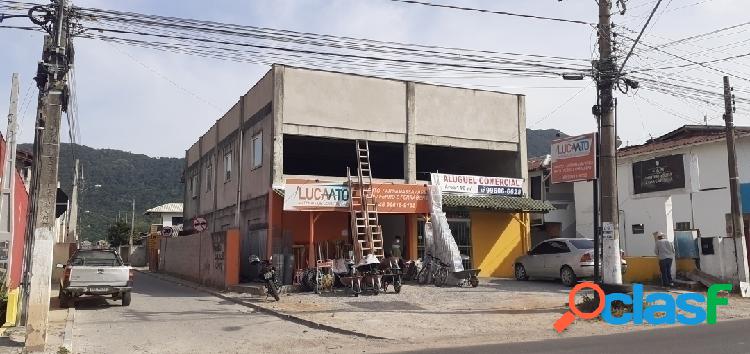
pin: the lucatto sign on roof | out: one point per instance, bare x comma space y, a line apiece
574, 158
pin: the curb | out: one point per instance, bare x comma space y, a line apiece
68, 336
281, 315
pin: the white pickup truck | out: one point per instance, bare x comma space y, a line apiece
95, 272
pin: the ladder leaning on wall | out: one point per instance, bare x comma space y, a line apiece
365, 225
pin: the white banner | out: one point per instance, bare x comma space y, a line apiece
323, 196
469, 184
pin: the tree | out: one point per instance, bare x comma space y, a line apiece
118, 234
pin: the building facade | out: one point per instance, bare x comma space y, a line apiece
560, 222
677, 182
299, 126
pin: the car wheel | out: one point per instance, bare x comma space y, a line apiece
568, 276
126, 299
521, 272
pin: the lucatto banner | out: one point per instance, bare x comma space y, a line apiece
469, 184
574, 158
390, 198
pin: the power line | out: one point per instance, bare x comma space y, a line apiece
486, 11
635, 42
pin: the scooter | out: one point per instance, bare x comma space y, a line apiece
268, 275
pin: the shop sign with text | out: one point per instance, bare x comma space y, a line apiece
469, 184
574, 159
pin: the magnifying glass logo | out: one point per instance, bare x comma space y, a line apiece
568, 317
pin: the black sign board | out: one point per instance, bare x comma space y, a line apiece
658, 174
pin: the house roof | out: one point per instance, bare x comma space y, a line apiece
684, 136
496, 202
536, 163
166, 208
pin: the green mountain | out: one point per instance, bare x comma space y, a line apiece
112, 179
539, 141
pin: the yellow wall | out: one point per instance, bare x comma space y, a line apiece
497, 239
646, 269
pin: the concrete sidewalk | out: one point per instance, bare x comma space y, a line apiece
59, 331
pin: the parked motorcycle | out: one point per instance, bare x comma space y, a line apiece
267, 274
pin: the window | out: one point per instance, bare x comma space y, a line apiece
228, 165
209, 176
96, 258
638, 228
559, 247
257, 150
583, 244
176, 220
194, 185
542, 248
682, 226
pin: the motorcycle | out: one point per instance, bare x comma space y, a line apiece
267, 274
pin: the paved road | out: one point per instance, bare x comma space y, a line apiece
167, 318
727, 337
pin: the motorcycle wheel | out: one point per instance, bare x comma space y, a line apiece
474, 281
272, 290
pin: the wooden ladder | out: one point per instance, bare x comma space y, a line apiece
368, 235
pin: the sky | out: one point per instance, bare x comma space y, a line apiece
158, 103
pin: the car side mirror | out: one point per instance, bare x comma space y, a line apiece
60, 266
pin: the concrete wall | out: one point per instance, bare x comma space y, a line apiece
210, 259
318, 103
464, 114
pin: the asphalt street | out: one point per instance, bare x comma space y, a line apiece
168, 318
727, 337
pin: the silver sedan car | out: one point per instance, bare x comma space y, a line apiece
567, 259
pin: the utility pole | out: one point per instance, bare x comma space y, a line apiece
734, 184
132, 232
72, 234
7, 214
51, 80
606, 77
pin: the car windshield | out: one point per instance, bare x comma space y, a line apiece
95, 258
583, 244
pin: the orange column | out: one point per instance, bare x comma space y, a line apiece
270, 220
232, 257
311, 248
411, 235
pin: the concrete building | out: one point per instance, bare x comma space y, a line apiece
170, 214
299, 126
675, 182
560, 222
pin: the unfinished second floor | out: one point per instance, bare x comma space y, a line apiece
302, 124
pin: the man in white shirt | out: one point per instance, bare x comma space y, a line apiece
664, 250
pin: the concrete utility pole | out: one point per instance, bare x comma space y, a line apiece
7, 215
132, 231
606, 77
72, 234
51, 80
734, 185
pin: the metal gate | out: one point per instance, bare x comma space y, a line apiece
460, 224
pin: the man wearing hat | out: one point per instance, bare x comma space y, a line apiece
664, 250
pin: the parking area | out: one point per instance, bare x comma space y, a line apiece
496, 310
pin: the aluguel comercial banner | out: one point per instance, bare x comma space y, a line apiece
469, 184
574, 158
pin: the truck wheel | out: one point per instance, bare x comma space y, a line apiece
126, 299
64, 299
